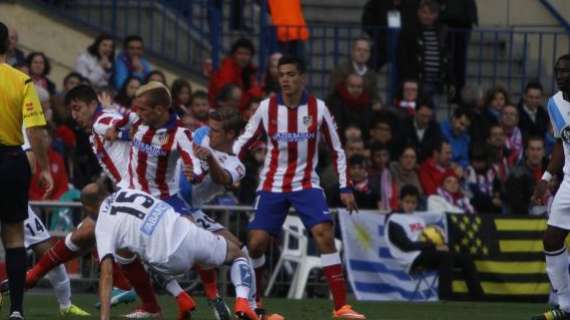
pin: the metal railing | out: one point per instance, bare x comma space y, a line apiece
234, 218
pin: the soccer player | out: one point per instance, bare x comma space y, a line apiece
559, 219
20, 108
293, 122
132, 223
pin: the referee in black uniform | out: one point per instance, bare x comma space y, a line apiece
20, 108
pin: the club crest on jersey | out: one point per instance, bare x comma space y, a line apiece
307, 120
565, 134
163, 138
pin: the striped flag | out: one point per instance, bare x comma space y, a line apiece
508, 255
372, 271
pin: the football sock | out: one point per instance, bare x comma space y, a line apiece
62, 252
60, 282
332, 268
557, 270
139, 279
173, 287
16, 270
242, 277
253, 291
209, 282
119, 279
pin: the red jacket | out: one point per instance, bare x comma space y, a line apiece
431, 176
230, 72
59, 174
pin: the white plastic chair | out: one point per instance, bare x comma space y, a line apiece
294, 229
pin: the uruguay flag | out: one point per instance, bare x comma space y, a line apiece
372, 271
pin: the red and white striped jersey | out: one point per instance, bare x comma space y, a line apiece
293, 135
112, 155
153, 156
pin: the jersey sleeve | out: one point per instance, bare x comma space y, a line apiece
253, 131
32, 111
556, 117
235, 168
107, 120
184, 145
329, 131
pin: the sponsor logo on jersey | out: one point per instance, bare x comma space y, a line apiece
565, 134
307, 120
149, 148
293, 136
153, 218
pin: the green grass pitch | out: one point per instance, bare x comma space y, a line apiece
42, 306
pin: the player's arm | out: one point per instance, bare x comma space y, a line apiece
398, 237
253, 131
217, 172
332, 139
105, 286
554, 165
34, 122
191, 166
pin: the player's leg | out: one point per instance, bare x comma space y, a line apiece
15, 173
74, 245
312, 208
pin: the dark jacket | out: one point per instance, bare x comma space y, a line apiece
351, 110
459, 13
530, 128
423, 147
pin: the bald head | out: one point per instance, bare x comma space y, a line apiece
92, 195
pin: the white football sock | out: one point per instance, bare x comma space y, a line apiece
173, 287
557, 270
242, 278
60, 282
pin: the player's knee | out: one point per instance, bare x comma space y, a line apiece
234, 252
257, 245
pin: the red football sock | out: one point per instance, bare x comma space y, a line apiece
139, 279
209, 282
337, 285
119, 279
55, 256
259, 276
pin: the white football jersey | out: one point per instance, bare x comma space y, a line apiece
413, 226
207, 189
136, 221
559, 112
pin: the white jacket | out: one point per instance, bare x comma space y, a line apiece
88, 66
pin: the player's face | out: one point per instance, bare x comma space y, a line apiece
149, 115
562, 71
82, 112
218, 136
291, 80
409, 204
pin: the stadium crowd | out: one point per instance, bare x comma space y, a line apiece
466, 163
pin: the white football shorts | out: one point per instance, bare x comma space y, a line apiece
35, 232
560, 208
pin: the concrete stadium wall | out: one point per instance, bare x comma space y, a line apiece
519, 13
60, 41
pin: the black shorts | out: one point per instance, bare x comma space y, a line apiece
15, 178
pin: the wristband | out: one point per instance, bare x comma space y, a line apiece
546, 176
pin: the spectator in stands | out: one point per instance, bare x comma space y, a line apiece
459, 14
131, 62
406, 100
14, 56
422, 54
409, 199
290, 27
449, 197
352, 133
382, 132
382, 181
156, 75
510, 121
533, 118
375, 17
379, 156
71, 80
181, 96
404, 171
39, 68
455, 131
239, 70
359, 56
253, 105
500, 156
200, 108
127, 92
229, 96
58, 172
434, 169
60, 112
483, 183
350, 103
422, 131
522, 179
471, 97
96, 64
496, 99
365, 195
355, 147
271, 81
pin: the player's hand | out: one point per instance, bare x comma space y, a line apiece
539, 192
46, 183
105, 100
442, 248
201, 153
188, 171
349, 201
112, 134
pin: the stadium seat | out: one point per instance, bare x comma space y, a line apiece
295, 249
